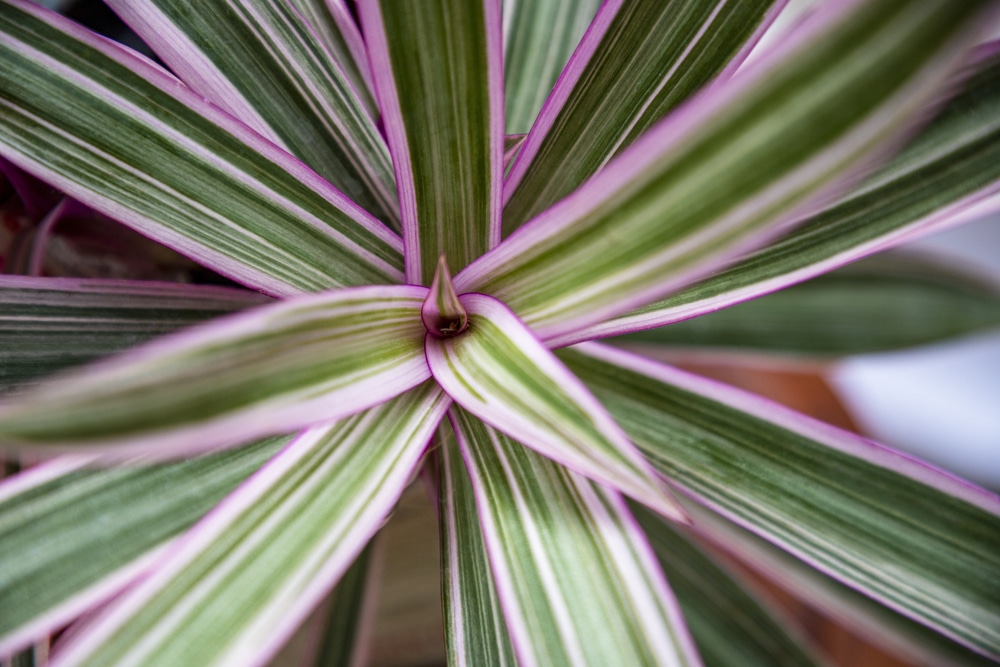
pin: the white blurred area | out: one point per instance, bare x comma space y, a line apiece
939, 402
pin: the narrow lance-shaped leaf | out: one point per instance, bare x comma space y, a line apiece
348, 624
915, 539
129, 140
475, 629
730, 627
340, 35
262, 63
242, 580
47, 324
438, 77
944, 173
538, 39
878, 624
637, 62
500, 372
46, 582
883, 303
731, 168
302, 361
577, 580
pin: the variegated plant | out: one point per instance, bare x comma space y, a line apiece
340, 159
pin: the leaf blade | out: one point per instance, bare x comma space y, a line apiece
530, 509
500, 372
726, 172
917, 540
298, 362
437, 71
251, 570
78, 114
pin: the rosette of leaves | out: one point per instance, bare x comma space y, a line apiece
343, 165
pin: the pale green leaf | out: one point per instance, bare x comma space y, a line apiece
904, 533
261, 61
47, 324
578, 581
953, 162
884, 303
729, 625
67, 539
727, 171
475, 629
639, 62
538, 38
248, 574
131, 141
297, 362
500, 372
437, 72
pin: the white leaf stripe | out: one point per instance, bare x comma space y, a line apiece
589, 561
176, 168
725, 172
857, 511
299, 362
261, 62
240, 582
475, 630
500, 372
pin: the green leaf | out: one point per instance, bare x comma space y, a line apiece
475, 629
262, 63
248, 574
639, 61
339, 34
906, 534
578, 581
126, 138
883, 303
72, 535
346, 623
538, 38
951, 164
727, 171
47, 324
298, 362
438, 76
880, 625
730, 626
500, 372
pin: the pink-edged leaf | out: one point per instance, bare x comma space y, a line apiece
438, 78
112, 525
733, 167
262, 63
500, 372
902, 532
949, 174
636, 63
47, 324
443, 314
237, 585
475, 629
575, 576
303, 361
129, 140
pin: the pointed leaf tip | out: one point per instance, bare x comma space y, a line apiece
443, 314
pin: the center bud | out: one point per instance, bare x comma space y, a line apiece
442, 313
